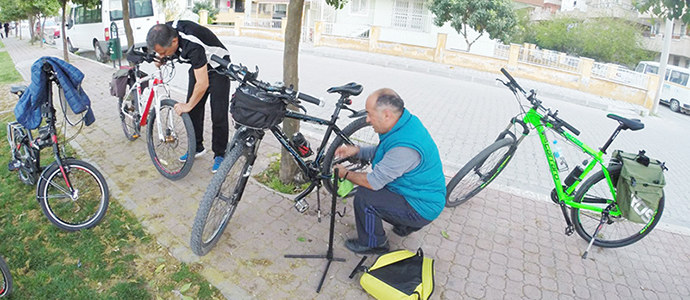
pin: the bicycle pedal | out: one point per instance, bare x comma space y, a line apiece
569, 230
301, 205
135, 136
14, 165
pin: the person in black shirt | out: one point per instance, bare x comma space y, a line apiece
194, 44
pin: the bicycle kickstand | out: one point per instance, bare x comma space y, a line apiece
604, 217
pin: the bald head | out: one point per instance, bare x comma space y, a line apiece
386, 98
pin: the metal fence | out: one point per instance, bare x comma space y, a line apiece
347, 30
629, 77
501, 51
551, 59
263, 23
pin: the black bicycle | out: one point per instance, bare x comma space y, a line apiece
226, 188
73, 194
5, 280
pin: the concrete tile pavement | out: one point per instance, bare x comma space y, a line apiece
499, 245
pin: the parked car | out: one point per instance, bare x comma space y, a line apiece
89, 28
675, 92
51, 30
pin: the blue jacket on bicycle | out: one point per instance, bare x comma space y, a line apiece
28, 109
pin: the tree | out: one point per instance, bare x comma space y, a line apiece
207, 5
293, 34
37, 10
14, 10
666, 9
605, 39
495, 17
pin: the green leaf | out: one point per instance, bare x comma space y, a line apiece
185, 287
301, 239
158, 297
159, 269
187, 298
445, 234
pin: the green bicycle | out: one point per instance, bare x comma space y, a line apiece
592, 205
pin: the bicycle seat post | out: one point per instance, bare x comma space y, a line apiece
610, 140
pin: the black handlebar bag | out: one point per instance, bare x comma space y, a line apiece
255, 108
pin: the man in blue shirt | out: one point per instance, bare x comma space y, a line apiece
406, 187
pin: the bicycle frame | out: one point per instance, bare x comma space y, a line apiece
155, 82
541, 124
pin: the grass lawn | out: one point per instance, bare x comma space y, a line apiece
115, 260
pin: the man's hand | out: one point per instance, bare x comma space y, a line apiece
341, 170
346, 151
181, 108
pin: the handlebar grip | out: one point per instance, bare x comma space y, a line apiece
220, 61
511, 79
571, 128
311, 99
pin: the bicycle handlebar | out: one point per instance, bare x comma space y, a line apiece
512, 80
537, 104
240, 73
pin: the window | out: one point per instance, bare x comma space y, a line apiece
409, 14
137, 9
679, 78
359, 7
190, 4
676, 61
84, 15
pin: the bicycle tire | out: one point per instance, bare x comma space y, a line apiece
92, 195
220, 201
455, 197
585, 221
166, 153
6, 280
130, 126
360, 133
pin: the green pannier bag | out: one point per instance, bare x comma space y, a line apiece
640, 186
399, 275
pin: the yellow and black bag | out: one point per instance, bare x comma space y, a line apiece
400, 274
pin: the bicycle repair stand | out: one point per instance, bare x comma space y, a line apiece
329, 254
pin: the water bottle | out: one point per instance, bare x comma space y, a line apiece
560, 158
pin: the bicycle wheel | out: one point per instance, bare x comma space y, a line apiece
361, 134
130, 120
175, 139
220, 201
81, 210
618, 231
479, 172
5, 280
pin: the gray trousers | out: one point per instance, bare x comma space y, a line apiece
371, 207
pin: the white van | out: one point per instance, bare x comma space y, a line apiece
90, 28
676, 89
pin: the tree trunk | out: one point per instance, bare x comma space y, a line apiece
293, 32
63, 36
31, 29
41, 31
128, 26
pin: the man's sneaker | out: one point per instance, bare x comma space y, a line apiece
354, 246
216, 163
183, 158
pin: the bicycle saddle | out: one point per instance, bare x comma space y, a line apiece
350, 89
18, 89
632, 124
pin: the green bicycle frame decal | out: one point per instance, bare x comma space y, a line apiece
534, 118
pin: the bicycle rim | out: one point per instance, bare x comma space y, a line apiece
479, 172
617, 231
84, 210
130, 122
169, 140
5, 280
361, 134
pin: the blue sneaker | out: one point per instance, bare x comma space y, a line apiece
183, 158
216, 163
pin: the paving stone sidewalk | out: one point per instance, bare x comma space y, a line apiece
499, 246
